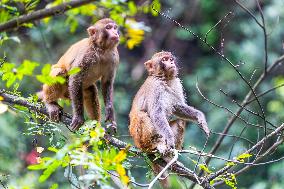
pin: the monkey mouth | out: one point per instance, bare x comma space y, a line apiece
172, 68
116, 39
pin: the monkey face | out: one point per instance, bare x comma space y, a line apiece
112, 32
167, 65
104, 33
162, 64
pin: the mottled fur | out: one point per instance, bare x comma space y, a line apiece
158, 99
98, 59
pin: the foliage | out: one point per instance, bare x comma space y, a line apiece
85, 150
29, 51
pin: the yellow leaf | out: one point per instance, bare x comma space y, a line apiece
120, 156
1, 98
93, 134
204, 168
125, 179
135, 37
46, 20
120, 170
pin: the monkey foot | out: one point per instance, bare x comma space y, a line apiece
111, 128
77, 122
55, 114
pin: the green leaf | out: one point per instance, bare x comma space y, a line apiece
52, 149
242, 157
50, 169
157, 5
54, 186
7, 67
59, 79
27, 67
132, 8
21, 108
37, 166
11, 80
204, 168
46, 69
74, 71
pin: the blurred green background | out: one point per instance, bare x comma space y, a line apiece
243, 44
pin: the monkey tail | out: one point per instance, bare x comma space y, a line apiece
164, 180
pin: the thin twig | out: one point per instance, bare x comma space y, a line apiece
12, 100
246, 109
221, 20
133, 182
227, 109
249, 12
264, 35
213, 49
164, 169
43, 13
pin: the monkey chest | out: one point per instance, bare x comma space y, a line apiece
97, 67
168, 104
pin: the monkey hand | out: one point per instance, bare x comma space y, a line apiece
167, 144
203, 125
170, 141
77, 122
111, 127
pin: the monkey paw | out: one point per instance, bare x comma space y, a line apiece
203, 125
77, 122
111, 127
55, 114
162, 149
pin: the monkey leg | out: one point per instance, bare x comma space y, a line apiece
91, 103
49, 95
178, 128
144, 134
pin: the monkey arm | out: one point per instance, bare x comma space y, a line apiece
76, 94
158, 116
162, 128
189, 113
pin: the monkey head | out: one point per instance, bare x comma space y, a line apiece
162, 64
104, 33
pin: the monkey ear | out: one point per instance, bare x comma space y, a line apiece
149, 65
92, 30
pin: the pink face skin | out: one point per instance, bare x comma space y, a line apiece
168, 65
112, 31
162, 64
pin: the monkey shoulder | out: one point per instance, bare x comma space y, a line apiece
73, 54
177, 88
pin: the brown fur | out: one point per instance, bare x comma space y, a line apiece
98, 59
160, 97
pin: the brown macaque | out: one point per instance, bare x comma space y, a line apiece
98, 59
159, 98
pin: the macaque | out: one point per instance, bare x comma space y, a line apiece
159, 98
98, 59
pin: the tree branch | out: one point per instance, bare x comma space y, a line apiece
177, 167
43, 13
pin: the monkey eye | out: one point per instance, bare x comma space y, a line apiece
108, 27
115, 26
164, 59
171, 59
